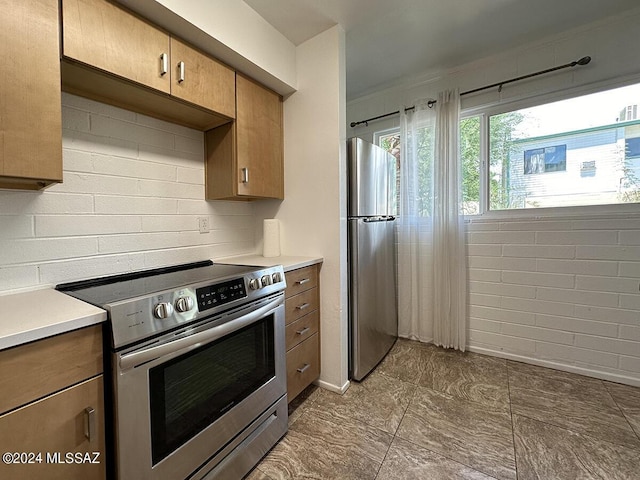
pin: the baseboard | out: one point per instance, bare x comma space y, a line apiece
612, 377
333, 388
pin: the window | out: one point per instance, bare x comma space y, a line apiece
580, 151
546, 156
470, 155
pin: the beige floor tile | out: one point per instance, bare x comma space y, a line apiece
628, 399
302, 402
379, 401
468, 376
455, 416
548, 452
407, 461
318, 448
406, 361
472, 433
574, 402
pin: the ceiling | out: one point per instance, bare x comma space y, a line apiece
387, 41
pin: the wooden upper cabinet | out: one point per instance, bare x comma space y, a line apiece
199, 79
30, 111
105, 36
114, 56
245, 158
259, 140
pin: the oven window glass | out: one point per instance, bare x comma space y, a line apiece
190, 392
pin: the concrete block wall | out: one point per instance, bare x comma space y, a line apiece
132, 195
561, 292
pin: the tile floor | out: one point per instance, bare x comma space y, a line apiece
429, 413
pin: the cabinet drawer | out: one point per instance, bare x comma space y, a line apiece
300, 280
301, 304
303, 366
57, 424
301, 329
34, 370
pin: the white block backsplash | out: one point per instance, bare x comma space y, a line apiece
132, 194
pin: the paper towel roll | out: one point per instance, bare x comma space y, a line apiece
271, 235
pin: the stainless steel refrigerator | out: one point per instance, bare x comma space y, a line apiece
371, 210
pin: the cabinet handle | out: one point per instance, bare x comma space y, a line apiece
303, 281
89, 422
245, 175
303, 306
180, 72
164, 64
303, 331
303, 369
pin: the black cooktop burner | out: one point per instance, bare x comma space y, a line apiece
105, 290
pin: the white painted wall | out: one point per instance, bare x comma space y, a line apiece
132, 194
554, 288
312, 214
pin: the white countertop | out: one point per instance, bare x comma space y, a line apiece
288, 262
29, 316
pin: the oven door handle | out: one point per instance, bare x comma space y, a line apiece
190, 342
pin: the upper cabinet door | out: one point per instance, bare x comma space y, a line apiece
201, 80
102, 35
259, 140
30, 118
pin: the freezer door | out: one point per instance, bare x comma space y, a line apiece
371, 179
372, 301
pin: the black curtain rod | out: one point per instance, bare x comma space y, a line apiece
431, 103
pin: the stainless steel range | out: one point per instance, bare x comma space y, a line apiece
197, 367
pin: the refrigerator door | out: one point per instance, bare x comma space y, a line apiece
371, 177
372, 279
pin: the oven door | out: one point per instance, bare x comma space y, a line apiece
183, 397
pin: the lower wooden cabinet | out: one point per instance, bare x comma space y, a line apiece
303, 366
52, 408
302, 331
58, 437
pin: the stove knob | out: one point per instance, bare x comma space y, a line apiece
163, 310
184, 304
254, 284
266, 280
276, 277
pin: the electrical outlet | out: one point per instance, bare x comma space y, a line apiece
203, 224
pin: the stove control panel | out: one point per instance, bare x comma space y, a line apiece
215, 295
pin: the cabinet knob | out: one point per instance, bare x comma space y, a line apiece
303, 306
245, 175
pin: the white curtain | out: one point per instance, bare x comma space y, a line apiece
431, 247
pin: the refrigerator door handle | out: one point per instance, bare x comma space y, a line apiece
381, 218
